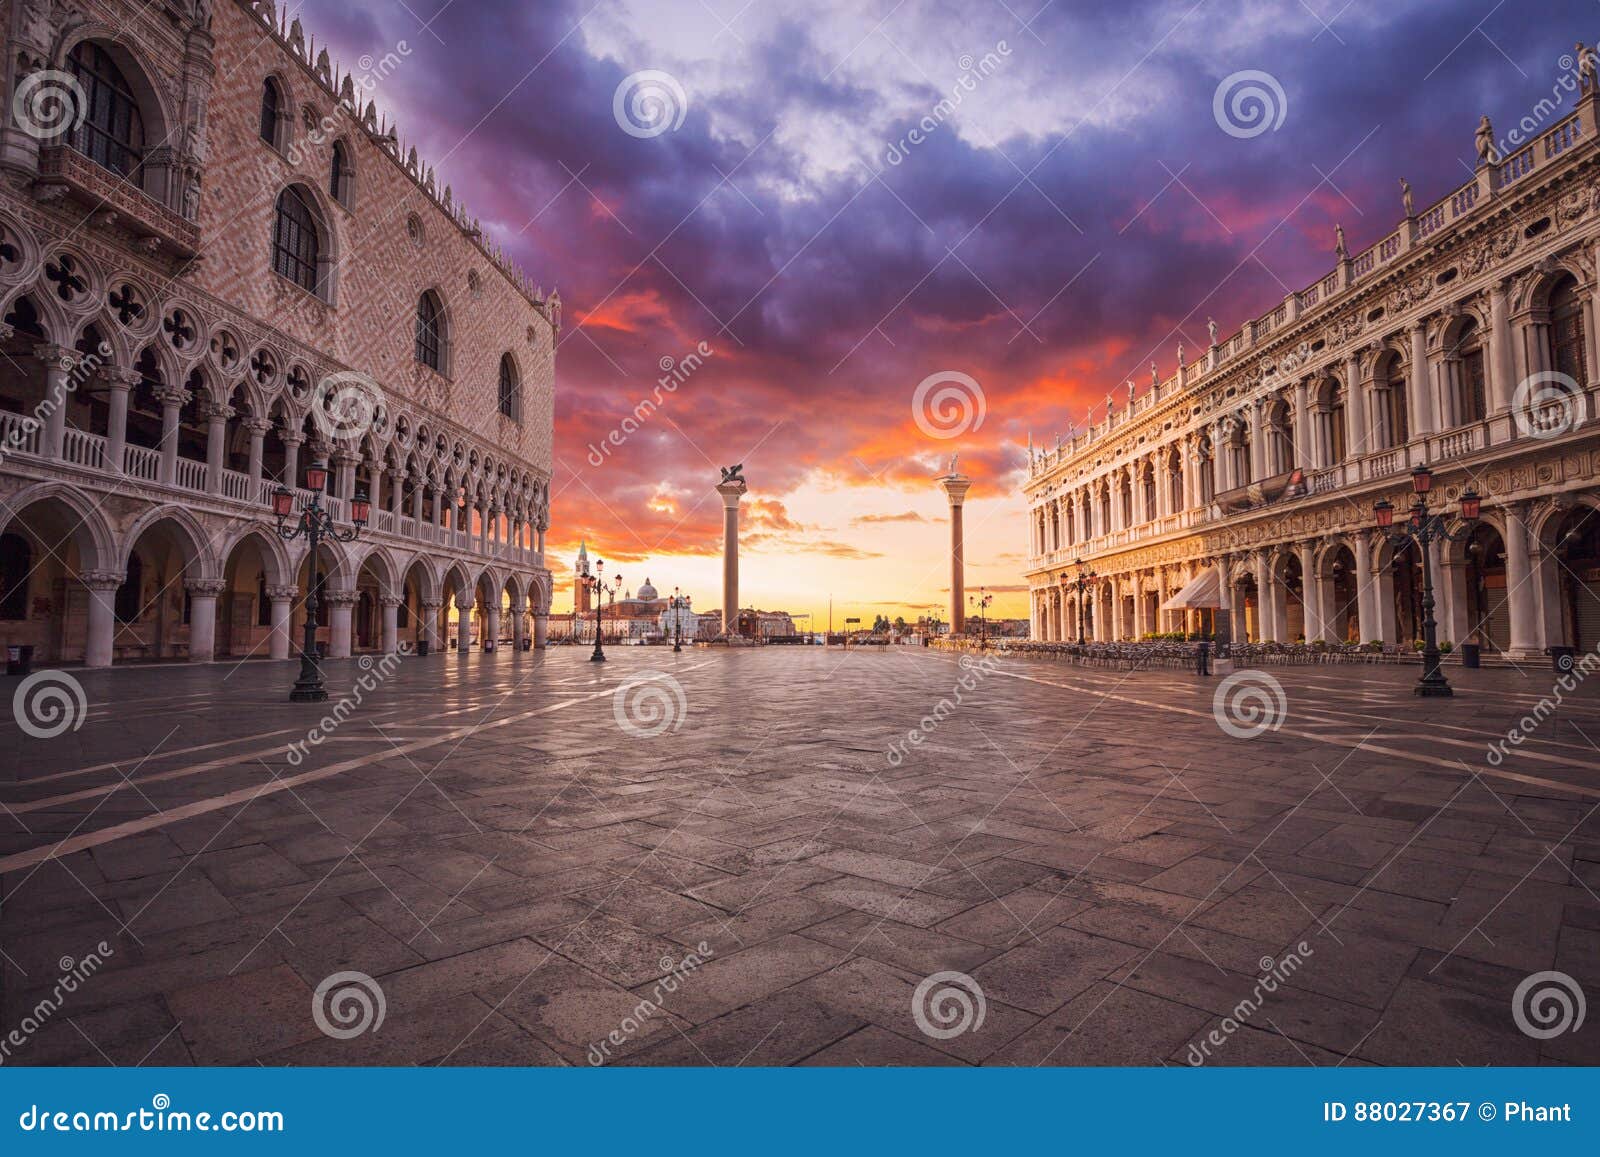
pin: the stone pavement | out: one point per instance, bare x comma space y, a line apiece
742, 857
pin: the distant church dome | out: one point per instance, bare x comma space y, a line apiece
647, 591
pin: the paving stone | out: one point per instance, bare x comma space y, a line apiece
825, 884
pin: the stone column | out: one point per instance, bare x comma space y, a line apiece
731, 490
259, 429
102, 587
519, 623
118, 383
1423, 422
955, 489
58, 362
1451, 592
391, 624
203, 619
1304, 435
491, 626
541, 625
291, 458
282, 602
216, 443
340, 604
464, 623
171, 399
1258, 441
1522, 593
430, 623
1502, 372
1310, 590
1356, 440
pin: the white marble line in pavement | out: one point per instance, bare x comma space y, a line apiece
67, 847
1376, 748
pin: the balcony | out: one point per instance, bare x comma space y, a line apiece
22, 444
64, 170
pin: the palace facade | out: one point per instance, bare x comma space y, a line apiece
218, 269
1238, 495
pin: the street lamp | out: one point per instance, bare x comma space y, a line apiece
598, 588
314, 524
1080, 584
1424, 529
982, 604
677, 622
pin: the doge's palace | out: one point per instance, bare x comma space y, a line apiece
1237, 495
221, 267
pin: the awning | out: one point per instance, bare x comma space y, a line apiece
1203, 592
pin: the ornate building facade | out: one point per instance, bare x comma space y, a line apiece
1238, 495
219, 267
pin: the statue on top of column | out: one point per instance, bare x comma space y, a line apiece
1405, 196
1587, 67
733, 473
1340, 250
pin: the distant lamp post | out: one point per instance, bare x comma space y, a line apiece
599, 590
314, 524
677, 622
1425, 528
981, 604
1085, 578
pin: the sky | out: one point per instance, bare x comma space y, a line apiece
890, 232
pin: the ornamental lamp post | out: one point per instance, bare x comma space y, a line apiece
1080, 584
598, 588
1424, 528
314, 525
677, 622
982, 604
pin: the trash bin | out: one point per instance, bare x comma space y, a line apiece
19, 660
1563, 658
527, 643
422, 648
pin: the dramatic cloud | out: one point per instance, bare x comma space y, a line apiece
858, 196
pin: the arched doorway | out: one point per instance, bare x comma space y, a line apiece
157, 614
1575, 553
46, 549
1343, 595
1488, 609
250, 575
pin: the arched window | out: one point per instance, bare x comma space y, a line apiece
296, 247
16, 564
430, 331
1470, 384
510, 388
272, 111
340, 173
111, 133
1567, 354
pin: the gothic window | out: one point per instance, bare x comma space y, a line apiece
510, 388
111, 133
340, 174
272, 112
1473, 380
1567, 354
430, 331
16, 563
296, 247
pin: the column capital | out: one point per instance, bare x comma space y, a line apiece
219, 412
203, 588
278, 594
102, 580
172, 395
391, 600
339, 598
731, 491
465, 602
259, 426
956, 487
59, 356
432, 605
118, 378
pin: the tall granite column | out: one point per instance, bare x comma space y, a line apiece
955, 488
732, 489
